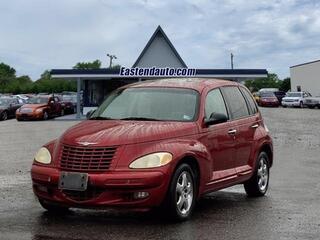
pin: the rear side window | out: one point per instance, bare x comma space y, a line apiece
251, 103
215, 103
236, 103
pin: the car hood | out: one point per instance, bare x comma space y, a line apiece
33, 106
117, 132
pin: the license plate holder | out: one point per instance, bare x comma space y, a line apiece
73, 181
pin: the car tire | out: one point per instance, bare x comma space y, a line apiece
45, 115
284, 106
52, 208
4, 116
182, 192
257, 185
311, 107
301, 105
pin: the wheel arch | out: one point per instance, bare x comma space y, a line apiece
193, 162
268, 150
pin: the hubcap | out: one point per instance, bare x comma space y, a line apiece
263, 175
5, 116
45, 115
184, 193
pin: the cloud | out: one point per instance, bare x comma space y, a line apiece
42, 34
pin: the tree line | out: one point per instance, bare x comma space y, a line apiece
271, 81
10, 83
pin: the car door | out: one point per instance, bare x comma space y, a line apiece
51, 106
14, 106
245, 126
218, 140
57, 105
247, 130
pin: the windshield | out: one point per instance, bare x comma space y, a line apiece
69, 98
37, 100
267, 94
4, 101
294, 94
168, 104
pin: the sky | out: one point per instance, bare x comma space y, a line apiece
36, 35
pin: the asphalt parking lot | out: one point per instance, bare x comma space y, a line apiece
290, 210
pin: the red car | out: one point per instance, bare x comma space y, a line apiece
41, 107
158, 143
268, 99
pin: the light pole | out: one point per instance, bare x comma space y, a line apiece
231, 60
111, 58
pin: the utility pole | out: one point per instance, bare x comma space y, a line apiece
111, 58
231, 60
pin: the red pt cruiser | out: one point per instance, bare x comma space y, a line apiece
158, 143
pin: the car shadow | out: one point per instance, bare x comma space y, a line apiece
211, 211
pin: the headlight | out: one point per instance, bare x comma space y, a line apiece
39, 110
152, 160
43, 156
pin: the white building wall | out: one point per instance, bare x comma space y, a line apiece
307, 76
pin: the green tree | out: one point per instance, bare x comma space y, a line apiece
285, 85
88, 65
7, 74
7, 71
271, 81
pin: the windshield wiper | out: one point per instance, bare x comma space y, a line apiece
140, 119
100, 118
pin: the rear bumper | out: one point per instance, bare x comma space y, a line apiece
112, 189
269, 104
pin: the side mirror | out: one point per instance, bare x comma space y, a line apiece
216, 118
88, 115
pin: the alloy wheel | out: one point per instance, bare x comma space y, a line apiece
4, 115
263, 175
45, 116
184, 193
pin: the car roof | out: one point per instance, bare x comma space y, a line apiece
192, 83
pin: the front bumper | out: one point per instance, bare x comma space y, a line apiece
108, 189
29, 116
290, 104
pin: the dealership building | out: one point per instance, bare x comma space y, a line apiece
160, 55
306, 77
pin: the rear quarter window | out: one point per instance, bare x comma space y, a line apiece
236, 103
251, 102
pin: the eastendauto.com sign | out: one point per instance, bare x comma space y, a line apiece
157, 72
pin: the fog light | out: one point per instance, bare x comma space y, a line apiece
42, 188
140, 195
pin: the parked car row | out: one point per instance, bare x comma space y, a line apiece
290, 99
36, 107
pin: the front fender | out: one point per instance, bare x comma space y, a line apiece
181, 149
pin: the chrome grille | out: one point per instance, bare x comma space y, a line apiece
86, 158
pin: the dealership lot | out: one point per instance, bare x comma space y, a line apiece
289, 211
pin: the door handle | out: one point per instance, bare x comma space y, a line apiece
255, 126
232, 131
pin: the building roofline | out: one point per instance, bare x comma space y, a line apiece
114, 73
298, 65
159, 29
